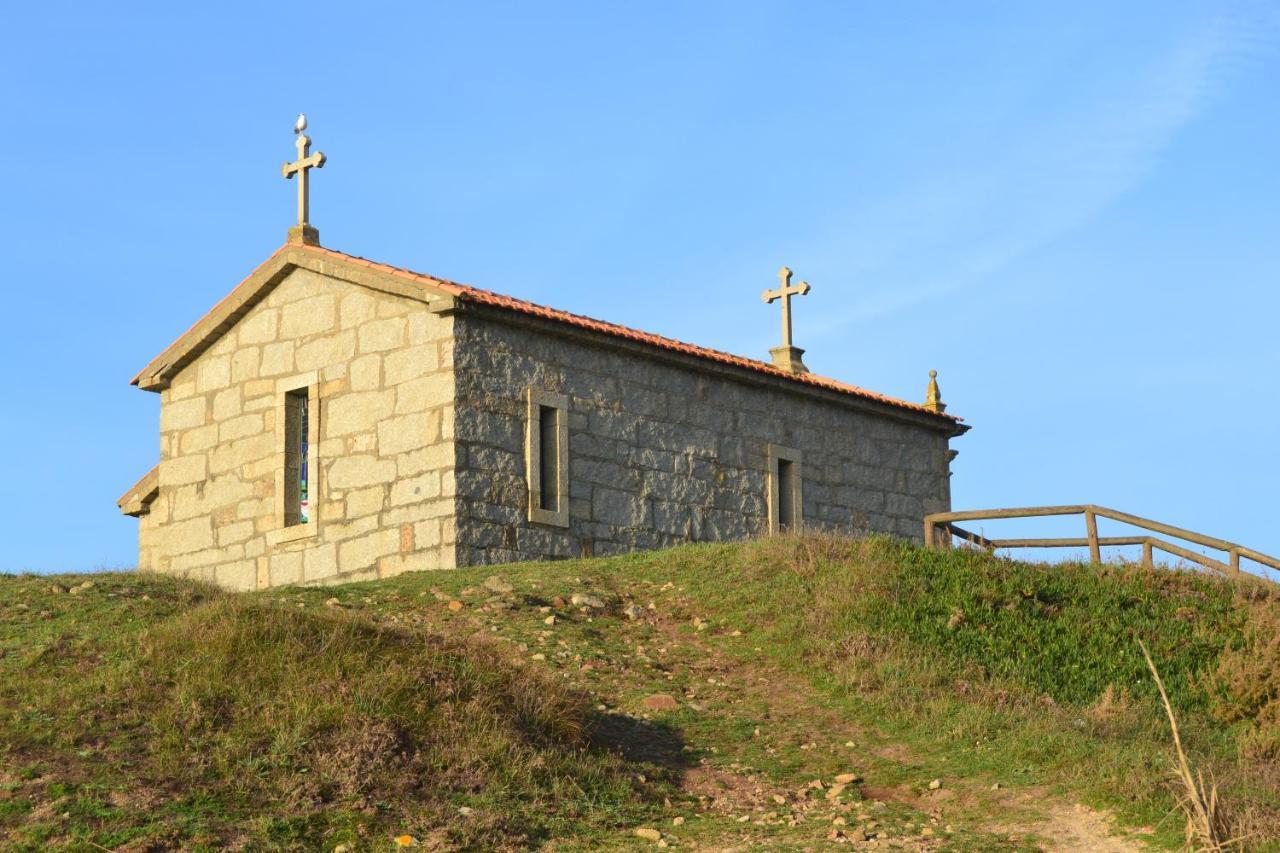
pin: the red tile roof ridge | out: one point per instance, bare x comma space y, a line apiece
499, 300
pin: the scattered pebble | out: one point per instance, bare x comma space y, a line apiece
659, 702
581, 599
493, 583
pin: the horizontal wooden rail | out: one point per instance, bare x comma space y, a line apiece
939, 528
1067, 543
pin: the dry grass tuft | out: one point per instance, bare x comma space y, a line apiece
1208, 825
1112, 703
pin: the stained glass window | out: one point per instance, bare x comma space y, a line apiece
297, 508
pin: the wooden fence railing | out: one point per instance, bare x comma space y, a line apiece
939, 528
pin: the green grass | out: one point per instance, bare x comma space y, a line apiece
150, 713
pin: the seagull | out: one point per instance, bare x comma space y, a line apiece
301, 124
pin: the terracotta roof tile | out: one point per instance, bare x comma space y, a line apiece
468, 293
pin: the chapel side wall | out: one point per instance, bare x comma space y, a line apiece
146, 542
661, 454
384, 492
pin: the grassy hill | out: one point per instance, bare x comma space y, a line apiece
778, 694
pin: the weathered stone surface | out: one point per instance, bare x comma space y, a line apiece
219, 513
660, 454
420, 457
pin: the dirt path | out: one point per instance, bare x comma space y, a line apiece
768, 760
1021, 816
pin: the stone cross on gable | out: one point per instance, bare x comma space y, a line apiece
787, 356
303, 232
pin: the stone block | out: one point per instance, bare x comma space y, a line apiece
411, 362
357, 412
368, 501
212, 372
416, 489
418, 395
325, 351
382, 335
197, 440
405, 433
286, 568
184, 469
426, 534
363, 552
355, 471
231, 534
623, 509
259, 327
425, 326
244, 364
311, 316
227, 404
398, 564
184, 414
277, 359
319, 561
358, 307
240, 427
366, 373
181, 537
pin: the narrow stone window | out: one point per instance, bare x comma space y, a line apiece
297, 506
297, 424
549, 451
547, 457
786, 501
786, 494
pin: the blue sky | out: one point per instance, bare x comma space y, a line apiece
1069, 210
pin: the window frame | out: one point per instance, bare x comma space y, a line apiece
284, 532
779, 453
535, 402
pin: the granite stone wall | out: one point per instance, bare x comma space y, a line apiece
420, 446
662, 453
383, 495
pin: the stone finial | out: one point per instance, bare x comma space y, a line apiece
303, 232
787, 356
933, 396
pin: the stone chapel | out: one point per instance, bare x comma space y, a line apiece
333, 419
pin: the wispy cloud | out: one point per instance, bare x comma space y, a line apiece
956, 230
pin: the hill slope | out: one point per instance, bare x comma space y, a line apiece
775, 693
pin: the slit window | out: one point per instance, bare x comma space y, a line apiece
786, 494
297, 496
786, 501
547, 457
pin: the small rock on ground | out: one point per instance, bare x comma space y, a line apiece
659, 702
493, 583
581, 599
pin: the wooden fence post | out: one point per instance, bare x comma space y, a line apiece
1146, 555
1091, 527
1235, 560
